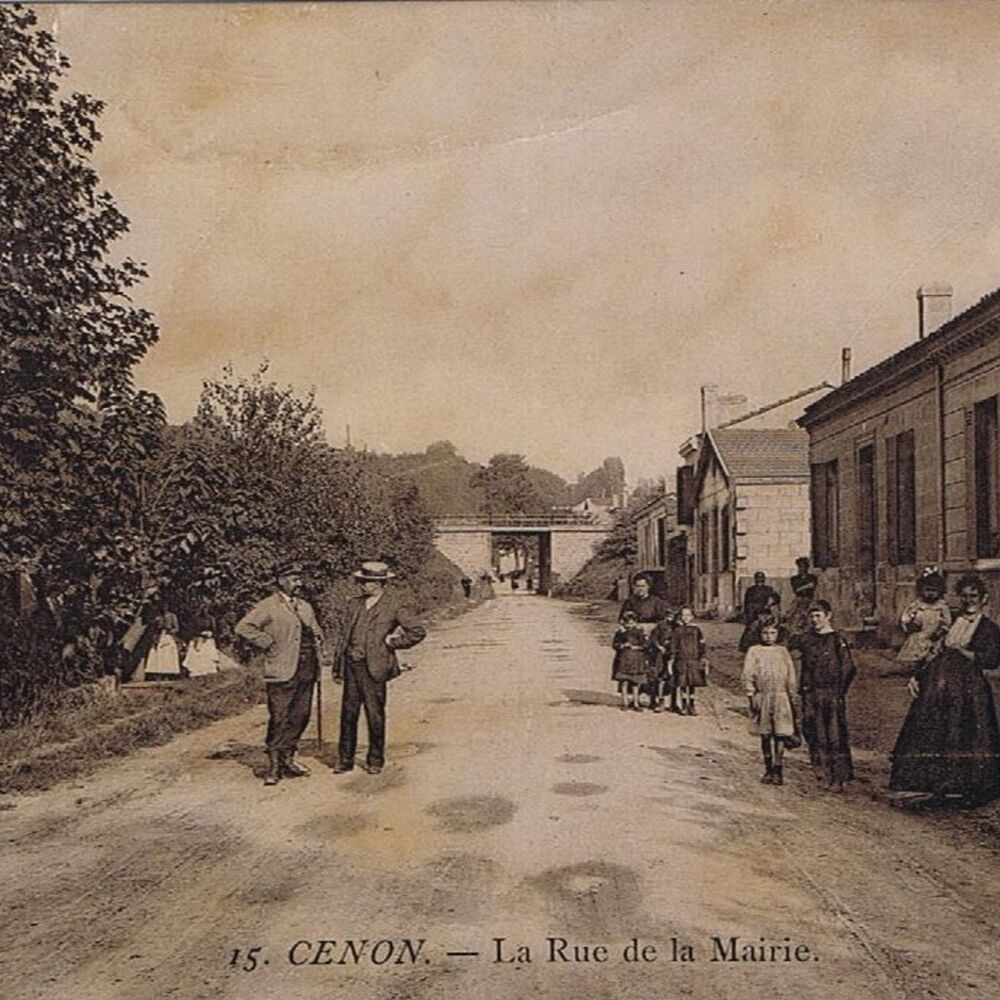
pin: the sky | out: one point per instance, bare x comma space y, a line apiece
541, 227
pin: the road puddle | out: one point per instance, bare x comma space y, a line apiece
470, 813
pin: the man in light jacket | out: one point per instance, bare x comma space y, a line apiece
284, 627
377, 625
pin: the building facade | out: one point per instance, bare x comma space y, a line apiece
709, 505
750, 513
661, 548
904, 466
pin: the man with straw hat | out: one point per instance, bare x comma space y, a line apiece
284, 627
377, 625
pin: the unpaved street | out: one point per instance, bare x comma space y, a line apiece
518, 803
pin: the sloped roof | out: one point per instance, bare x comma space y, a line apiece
761, 410
748, 455
974, 325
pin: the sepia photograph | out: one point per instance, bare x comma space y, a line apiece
616, 383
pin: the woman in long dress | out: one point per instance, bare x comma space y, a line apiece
163, 658
949, 745
202, 654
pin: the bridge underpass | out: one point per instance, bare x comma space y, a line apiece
565, 542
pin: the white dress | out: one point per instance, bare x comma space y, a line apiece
929, 623
163, 657
202, 656
769, 679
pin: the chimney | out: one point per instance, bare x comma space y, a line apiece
709, 394
845, 365
933, 306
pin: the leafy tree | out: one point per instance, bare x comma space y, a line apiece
283, 493
621, 543
71, 423
506, 487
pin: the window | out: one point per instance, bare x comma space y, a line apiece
825, 497
661, 541
983, 480
901, 490
703, 544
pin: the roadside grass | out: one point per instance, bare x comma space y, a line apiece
90, 725
83, 727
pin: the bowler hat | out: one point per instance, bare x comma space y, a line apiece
374, 571
288, 567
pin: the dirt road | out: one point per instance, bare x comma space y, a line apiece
519, 803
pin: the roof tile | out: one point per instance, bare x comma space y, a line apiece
763, 454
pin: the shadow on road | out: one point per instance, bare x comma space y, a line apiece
579, 697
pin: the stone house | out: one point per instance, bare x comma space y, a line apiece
904, 465
712, 589
750, 511
660, 548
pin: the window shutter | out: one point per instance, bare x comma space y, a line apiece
817, 496
892, 500
971, 500
685, 495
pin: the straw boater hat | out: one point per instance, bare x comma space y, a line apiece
374, 571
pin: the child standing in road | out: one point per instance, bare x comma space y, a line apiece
688, 663
825, 675
769, 681
659, 648
631, 664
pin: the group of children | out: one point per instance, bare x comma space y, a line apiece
825, 673
785, 706
668, 660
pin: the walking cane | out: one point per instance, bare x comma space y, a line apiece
319, 708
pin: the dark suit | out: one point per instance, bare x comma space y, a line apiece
367, 662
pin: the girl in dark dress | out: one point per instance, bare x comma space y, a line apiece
687, 656
631, 664
825, 674
949, 746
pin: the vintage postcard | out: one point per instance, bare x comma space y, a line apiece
499, 500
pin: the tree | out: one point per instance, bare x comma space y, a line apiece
506, 487
71, 420
284, 493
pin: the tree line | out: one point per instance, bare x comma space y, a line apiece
101, 501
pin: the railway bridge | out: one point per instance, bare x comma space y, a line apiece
565, 541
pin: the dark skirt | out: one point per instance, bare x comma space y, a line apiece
949, 743
633, 666
689, 673
824, 726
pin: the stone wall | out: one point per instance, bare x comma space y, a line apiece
571, 548
772, 531
469, 550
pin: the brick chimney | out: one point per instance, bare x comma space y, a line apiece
933, 306
719, 409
